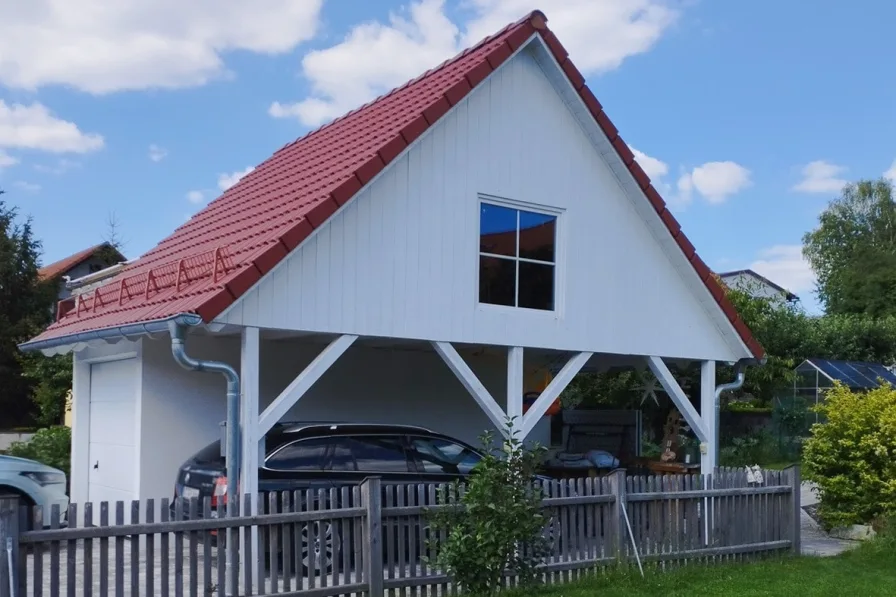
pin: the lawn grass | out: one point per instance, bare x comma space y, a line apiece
868, 571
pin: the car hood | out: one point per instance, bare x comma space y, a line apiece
15, 464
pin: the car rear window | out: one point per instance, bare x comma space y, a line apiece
210, 453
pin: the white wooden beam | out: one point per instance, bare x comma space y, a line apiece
662, 373
515, 358
249, 387
472, 384
252, 447
553, 391
303, 382
709, 450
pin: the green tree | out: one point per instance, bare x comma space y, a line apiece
853, 250
25, 304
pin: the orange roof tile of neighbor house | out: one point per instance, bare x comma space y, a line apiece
57, 268
214, 258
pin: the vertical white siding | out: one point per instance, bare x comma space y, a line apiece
181, 410
400, 260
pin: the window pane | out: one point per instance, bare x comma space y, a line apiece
536, 286
342, 458
497, 229
306, 455
497, 281
537, 236
379, 454
443, 456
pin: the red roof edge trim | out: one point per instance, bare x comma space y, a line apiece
539, 23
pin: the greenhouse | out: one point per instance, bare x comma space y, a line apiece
814, 376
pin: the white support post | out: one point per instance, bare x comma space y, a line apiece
250, 366
662, 373
515, 357
303, 382
709, 450
472, 384
552, 392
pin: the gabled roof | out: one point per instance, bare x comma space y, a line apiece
857, 375
214, 258
748, 272
62, 266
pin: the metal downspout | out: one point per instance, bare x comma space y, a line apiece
740, 374
178, 350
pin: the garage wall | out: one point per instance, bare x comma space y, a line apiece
406, 386
181, 410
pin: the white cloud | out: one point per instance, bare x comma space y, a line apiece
100, 46
785, 265
156, 153
654, 168
195, 196
715, 181
28, 187
890, 174
35, 127
7, 160
821, 177
375, 57
61, 167
225, 181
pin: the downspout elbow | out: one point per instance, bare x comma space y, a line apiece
232, 449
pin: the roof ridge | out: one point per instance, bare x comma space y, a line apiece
460, 54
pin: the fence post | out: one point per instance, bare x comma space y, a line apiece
9, 544
617, 485
371, 498
796, 490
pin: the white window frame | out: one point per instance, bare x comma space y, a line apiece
559, 254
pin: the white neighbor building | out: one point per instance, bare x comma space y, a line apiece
423, 259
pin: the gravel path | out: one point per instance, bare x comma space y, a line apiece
814, 541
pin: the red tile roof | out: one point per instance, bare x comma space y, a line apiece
63, 265
210, 261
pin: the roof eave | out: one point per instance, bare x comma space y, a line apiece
110, 334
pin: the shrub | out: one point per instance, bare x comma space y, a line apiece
759, 447
51, 446
852, 456
495, 522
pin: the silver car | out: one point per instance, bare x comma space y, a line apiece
36, 484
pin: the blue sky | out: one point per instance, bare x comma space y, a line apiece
749, 116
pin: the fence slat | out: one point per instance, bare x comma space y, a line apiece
164, 550
178, 550
134, 544
149, 564
104, 551
55, 520
36, 518
794, 518
371, 496
194, 550
88, 552
274, 546
119, 551
207, 580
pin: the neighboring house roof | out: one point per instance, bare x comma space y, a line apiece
58, 268
748, 272
214, 258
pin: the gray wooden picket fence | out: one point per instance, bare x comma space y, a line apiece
375, 539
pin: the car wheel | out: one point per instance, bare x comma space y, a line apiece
317, 546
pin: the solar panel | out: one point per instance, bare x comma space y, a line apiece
855, 374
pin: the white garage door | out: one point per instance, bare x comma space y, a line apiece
113, 410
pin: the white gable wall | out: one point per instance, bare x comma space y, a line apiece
401, 259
